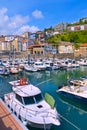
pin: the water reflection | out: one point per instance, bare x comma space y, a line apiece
75, 103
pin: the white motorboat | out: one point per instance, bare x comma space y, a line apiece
14, 70
50, 65
70, 63
82, 62
39, 65
27, 102
75, 89
30, 68
4, 70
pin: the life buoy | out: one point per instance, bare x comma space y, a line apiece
23, 81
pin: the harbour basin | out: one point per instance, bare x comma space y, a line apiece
72, 114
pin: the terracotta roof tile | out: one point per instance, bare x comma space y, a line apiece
35, 45
84, 45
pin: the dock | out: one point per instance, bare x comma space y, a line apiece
8, 121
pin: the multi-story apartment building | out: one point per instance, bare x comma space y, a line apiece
26, 34
60, 27
4, 43
9, 38
19, 43
77, 27
83, 19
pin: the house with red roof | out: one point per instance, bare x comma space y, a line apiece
36, 49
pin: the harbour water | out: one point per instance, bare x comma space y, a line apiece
73, 115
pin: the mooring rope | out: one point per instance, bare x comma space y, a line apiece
70, 122
43, 82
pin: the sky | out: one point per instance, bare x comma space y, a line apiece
18, 16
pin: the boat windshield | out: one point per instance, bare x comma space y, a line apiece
28, 100
38, 97
32, 99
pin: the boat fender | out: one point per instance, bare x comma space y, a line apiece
24, 120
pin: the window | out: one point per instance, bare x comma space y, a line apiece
19, 98
51, 64
38, 98
38, 52
41, 52
29, 100
32, 99
35, 52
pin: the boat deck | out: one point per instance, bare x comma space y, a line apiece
8, 120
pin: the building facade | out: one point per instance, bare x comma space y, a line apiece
36, 49
60, 27
66, 47
77, 27
81, 51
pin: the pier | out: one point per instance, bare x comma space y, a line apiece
8, 120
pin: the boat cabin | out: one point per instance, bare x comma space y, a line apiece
28, 100
28, 94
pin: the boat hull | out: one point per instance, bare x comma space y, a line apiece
42, 126
72, 96
29, 122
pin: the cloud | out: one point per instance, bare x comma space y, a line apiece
18, 21
3, 11
37, 14
12, 24
3, 17
27, 28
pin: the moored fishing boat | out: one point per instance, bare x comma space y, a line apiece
27, 102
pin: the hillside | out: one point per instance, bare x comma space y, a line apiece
76, 37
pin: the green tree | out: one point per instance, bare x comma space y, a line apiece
76, 45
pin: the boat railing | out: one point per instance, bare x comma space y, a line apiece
77, 82
16, 104
16, 84
45, 113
